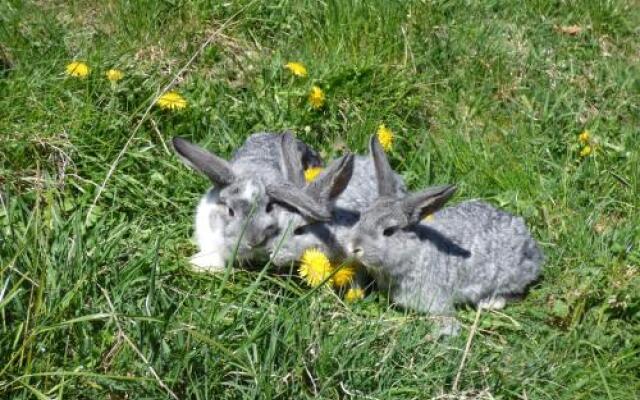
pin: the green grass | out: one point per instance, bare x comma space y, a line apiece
490, 95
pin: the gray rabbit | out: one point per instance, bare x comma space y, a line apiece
469, 253
236, 215
346, 195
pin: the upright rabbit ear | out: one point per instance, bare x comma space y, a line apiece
313, 202
292, 196
332, 181
384, 173
292, 160
417, 206
215, 168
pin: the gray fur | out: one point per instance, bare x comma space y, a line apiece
237, 212
469, 253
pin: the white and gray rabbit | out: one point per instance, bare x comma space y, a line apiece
236, 215
347, 196
468, 253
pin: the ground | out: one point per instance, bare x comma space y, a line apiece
96, 296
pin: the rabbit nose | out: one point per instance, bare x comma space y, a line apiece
357, 251
256, 242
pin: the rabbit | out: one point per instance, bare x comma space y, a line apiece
235, 215
299, 233
468, 253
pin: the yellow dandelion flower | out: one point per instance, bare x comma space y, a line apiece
385, 136
296, 68
429, 218
78, 69
172, 101
584, 137
316, 97
344, 276
314, 267
114, 75
586, 151
353, 295
312, 173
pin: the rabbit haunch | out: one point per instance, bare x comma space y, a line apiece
471, 252
235, 216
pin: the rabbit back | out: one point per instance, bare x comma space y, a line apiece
483, 252
261, 156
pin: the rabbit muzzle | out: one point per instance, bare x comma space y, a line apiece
258, 236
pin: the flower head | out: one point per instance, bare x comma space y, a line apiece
312, 173
78, 69
385, 136
316, 97
429, 218
296, 68
344, 275
114, 75
586, 151
353, 295
314, 267
584, 137
172, 101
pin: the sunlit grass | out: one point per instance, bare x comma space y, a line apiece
491, 96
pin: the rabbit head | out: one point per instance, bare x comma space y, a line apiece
300, 230
241, 205
373, 241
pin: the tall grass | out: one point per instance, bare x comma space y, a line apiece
491, 95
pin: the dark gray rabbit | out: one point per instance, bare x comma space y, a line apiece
347, 196
237, 212
469, 253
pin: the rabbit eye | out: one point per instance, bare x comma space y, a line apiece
300, 230
389, 231
231, 212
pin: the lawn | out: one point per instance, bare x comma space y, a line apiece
97, 299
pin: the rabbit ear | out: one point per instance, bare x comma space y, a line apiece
417, 206
292, 160
215, 168
332, 181
384, 173
287, 193
313, 201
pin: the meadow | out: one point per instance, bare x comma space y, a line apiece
532, 106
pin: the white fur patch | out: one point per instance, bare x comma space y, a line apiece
207, 262
249, 192
209, 233
494, 303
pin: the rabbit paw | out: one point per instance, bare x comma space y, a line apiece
493, 303
445, 327
207, 262
448, 327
